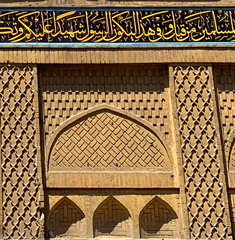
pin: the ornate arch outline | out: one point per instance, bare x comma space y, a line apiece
228, 148
53, 138
100, 205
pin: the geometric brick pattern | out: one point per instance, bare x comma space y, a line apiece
111, 218
224, 76
105, 140
232, 157
157, 219
232, 209
203, 187
224, 81
64, 217
138, 90
19, 153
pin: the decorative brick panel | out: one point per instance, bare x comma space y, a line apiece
64, 218
157, 219
224, 79
105, 140
203, 186
232, 208
19, 152
140, 90
112, 219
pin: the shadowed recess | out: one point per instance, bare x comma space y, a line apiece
111, 218
64, 217
157, 219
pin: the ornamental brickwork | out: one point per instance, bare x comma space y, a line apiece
117, 119
203, 186
20, 152
117, 151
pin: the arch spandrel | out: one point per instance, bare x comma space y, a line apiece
106, 138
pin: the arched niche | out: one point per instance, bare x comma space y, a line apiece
111, 218
158, 220
65, 219
107, 138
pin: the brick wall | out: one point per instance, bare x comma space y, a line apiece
117, 213
109, 138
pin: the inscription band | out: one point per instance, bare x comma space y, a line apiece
138, 26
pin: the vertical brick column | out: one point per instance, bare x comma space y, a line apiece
20, 154
205, 186
225, 89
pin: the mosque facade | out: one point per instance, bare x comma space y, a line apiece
117, 119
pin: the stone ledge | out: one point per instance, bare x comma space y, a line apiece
111, 180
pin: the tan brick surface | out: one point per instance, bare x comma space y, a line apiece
141, 91
157, 219
224, 78
116, 213
65, 218
112, 3
112, 55
111, 218
109, 151
203, 175
106, 141
224, 82
19, 152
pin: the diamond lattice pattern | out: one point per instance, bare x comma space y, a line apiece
18, 153
200, 152
106, 140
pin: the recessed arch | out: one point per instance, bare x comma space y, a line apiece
65, 218
157, 220
111, 218
107, 137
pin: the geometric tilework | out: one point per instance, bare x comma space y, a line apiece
19, 153
106, 140
203, 187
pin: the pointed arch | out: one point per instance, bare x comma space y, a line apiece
111, 218
107, 137
157, 219
65, 218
